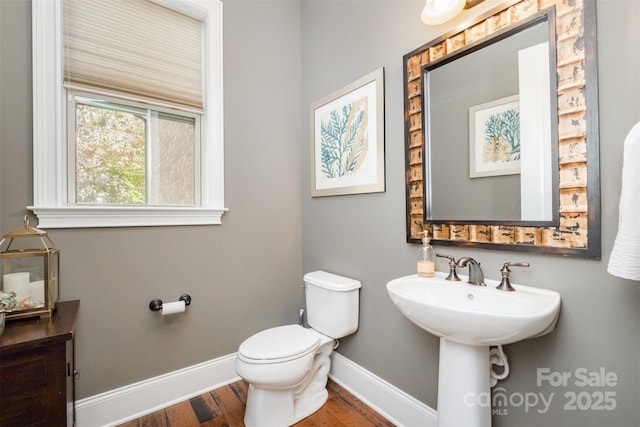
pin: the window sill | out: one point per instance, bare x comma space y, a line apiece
119, 216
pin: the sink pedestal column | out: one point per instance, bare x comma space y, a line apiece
464, 393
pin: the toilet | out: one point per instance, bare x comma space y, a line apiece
287, 366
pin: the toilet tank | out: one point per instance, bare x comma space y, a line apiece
332, 303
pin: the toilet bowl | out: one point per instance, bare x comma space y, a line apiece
278, 357
280, 378
287, 367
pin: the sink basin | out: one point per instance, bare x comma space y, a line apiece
469, 319
475, 315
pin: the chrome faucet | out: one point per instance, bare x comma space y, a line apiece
476, 276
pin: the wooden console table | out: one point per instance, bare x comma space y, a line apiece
37, 369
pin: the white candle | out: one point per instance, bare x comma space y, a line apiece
36, 289
18, 283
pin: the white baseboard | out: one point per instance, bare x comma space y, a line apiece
383, 397
135, 400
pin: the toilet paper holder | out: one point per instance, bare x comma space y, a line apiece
156, 303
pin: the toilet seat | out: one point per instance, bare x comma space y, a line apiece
279, 344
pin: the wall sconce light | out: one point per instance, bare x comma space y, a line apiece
436, 12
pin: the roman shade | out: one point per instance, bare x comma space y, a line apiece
138, 48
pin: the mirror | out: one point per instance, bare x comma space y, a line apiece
470, 179
488, 130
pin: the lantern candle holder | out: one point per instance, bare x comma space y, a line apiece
28, 273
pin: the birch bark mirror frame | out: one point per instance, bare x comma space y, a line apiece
573, 226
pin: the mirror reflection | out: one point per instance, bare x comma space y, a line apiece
490, 141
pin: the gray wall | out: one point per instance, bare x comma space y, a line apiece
245, 275
363, 236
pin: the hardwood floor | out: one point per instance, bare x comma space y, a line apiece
225, 407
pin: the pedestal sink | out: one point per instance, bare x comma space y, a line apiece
469, 319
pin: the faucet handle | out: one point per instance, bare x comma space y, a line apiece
453, 275
515, 264
505, 284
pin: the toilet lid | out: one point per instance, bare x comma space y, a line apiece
282, 342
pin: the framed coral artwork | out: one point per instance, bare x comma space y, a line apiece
494, 138
347, 139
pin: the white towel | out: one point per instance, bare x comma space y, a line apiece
625, 257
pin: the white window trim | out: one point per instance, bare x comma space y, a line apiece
50, 146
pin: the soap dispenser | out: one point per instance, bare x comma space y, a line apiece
426, 257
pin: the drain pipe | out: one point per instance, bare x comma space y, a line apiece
497, 357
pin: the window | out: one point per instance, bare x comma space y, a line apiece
118, 142
129, 155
